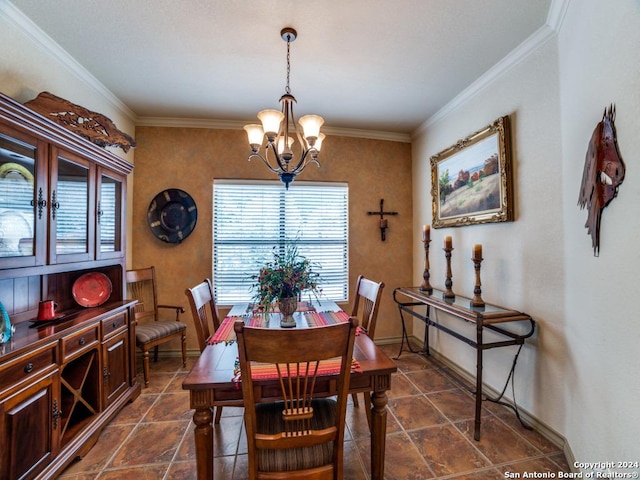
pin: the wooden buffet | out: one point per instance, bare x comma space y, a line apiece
62, 214
490, 317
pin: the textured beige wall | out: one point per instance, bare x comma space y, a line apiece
191, 158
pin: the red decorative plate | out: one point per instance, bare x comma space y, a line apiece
91, 289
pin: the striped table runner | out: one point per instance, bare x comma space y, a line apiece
320, 319
225, 332
268, 371
314, 319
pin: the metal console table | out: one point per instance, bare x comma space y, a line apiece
491, 317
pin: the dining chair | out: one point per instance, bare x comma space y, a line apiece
299, 437
204, 311
366, 303
205, 318
151, 331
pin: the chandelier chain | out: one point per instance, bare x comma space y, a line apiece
287, 89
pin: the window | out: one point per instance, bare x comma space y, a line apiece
250, 219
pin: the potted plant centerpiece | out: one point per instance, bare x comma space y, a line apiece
282, 280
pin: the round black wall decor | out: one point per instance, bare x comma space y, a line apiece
172, 215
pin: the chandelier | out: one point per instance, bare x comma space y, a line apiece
279, 127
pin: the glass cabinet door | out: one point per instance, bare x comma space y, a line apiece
71, 201
110, 215
22, 199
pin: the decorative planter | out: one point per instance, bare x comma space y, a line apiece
287, 308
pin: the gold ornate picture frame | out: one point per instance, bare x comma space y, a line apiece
471, 180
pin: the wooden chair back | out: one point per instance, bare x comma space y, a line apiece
141, 285
204, 311
301, 436
366, 303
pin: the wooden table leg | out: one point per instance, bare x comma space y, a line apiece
203, 431
378, 433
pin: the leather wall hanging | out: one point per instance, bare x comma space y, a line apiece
172, 215
603, 173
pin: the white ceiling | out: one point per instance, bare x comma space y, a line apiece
383, 65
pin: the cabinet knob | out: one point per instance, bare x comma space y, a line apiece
28, 368
82, 341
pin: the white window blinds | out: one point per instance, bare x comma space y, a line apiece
250, 219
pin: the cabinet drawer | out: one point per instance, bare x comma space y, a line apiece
79, 342
27, 366
113, 324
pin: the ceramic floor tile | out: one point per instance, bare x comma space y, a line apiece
158, 382
183, 471
354, 468
135, 473
140, 444
560, 460
498, 442
241, 469
226, 436
402, 460
78, 476
487, 474
150, 443
431, 380
455, 404
134, 411
175, 385
447, 451
540, 466
401, 386
411, 362
169, 407
541, 443
415, 412
98, 457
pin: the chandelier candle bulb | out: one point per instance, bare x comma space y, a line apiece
318, 144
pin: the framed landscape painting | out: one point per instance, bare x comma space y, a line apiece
471, 180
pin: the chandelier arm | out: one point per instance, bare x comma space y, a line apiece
282, 167
307, 158
264, 160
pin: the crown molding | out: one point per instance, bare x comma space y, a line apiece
522, 51
239, 125
53, 49
557, 11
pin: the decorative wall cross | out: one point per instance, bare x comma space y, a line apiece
383, 221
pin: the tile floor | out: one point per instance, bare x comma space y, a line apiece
429, 434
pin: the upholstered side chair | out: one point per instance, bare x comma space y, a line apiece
151, 330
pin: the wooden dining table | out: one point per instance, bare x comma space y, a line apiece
213, 381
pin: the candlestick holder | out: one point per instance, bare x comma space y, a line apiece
477, 300
426, 286
448, 283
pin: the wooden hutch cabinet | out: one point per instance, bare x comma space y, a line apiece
62, 214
